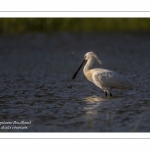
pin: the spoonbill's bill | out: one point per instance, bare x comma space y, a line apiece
103, 78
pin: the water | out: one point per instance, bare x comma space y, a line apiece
36, 85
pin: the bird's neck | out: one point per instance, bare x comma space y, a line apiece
88, 65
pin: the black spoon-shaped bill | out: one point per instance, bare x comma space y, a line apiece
84, 61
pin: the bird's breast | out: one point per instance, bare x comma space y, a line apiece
88, 75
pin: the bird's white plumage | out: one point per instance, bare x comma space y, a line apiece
103, 78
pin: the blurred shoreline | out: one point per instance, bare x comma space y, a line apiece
49, 25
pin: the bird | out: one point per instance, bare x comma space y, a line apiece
103, 78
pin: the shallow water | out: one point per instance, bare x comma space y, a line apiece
36, 84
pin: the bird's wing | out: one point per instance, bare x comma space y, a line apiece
107, 78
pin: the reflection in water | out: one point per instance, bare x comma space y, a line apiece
95, 110
92, 103
93, 99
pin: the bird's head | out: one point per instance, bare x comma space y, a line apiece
91, 55
87, 56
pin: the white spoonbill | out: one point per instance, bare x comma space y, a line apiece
103, 78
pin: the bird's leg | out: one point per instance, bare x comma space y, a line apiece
105, 93
110, 94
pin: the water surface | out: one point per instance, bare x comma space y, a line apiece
36, 83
